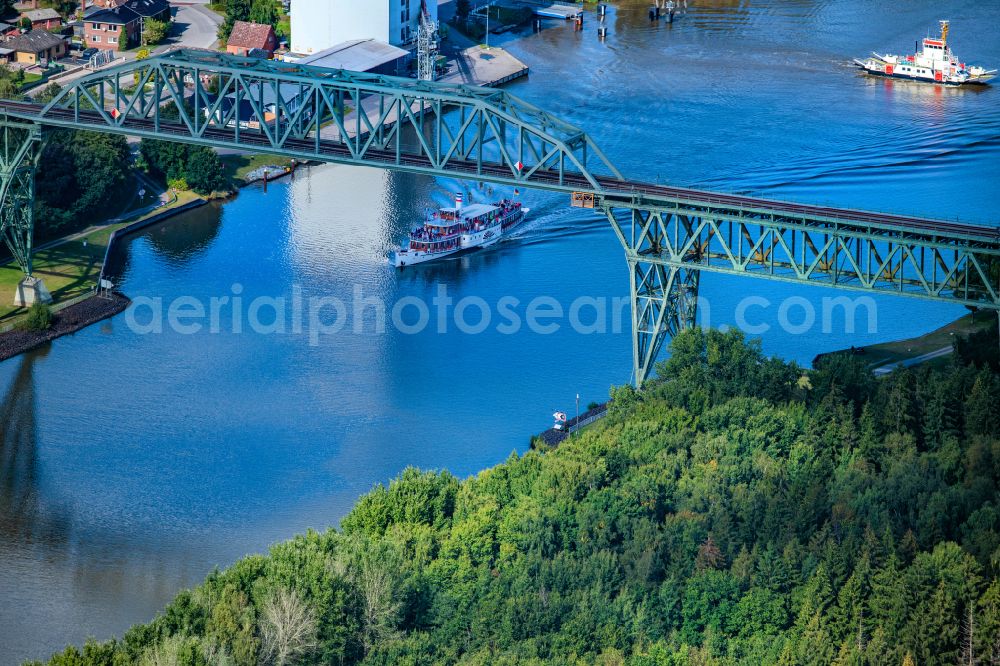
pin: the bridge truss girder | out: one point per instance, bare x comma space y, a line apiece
334, 116
20, 148
667, 243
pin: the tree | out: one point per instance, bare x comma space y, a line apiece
462, 9
981, 414
154, 31
709, 556
39, 318
967, 645
264, 12
287, 628
236, 10
165, 158
9, 89
48, 93
373, 568
122, 38
80, 175
204, 172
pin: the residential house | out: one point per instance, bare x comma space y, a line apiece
8, 30
38, 47
119, 26
259, 103
43, 19
252, 37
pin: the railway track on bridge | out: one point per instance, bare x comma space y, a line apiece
608, 187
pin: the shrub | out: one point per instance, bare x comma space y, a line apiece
179, 184
39, 318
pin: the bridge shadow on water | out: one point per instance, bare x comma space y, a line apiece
23, 517
47, 544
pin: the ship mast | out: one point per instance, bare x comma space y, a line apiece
944, 33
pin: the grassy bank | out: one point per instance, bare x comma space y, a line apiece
238, 166
902, 350
69, 268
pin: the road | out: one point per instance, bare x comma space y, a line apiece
195, 26
889, 367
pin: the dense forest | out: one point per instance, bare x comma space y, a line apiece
739, 510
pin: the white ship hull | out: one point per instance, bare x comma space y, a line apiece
468, 240
408, 257
879, 67
934, 63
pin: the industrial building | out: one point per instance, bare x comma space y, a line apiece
361, 55
319, 24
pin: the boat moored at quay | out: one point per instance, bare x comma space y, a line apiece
455, 229
934, 63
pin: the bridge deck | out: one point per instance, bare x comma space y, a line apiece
799, 210
331, 148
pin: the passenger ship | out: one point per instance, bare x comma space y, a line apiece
455, 229
934, 64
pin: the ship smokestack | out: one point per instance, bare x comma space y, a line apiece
458, 201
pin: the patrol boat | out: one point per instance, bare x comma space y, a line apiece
935, 63
452, 230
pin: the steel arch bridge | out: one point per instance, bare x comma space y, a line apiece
670, 234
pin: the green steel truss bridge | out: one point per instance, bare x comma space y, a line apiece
670, 235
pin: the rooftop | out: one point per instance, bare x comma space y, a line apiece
247, 35
471, 210
42, 14
147, 8
117, 16
35, 41
128, 12
358, 55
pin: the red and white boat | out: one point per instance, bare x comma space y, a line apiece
452, 230
935, 63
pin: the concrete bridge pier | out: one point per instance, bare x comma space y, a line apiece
31, 290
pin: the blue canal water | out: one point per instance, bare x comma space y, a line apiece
134, 463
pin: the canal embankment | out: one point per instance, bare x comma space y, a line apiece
934, 347
72, 267
67, 317
482, 65
72, 270
555, 436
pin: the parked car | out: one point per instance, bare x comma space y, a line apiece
87, 54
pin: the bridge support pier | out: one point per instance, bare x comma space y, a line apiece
20, 148
664, 302
664, 297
